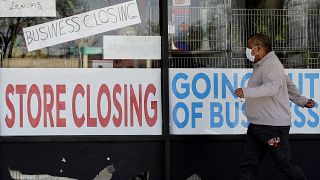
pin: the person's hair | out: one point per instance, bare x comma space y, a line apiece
261, 39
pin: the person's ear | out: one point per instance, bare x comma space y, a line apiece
259, 47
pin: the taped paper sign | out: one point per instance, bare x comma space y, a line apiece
132, 47
181, 2
28, 8
82, 25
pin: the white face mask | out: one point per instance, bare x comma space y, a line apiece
249, 55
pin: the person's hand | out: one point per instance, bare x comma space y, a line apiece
310, 104
239, 92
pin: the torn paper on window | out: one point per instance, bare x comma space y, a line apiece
17, 175
194, 177
105, 174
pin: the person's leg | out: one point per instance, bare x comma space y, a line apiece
253, 153
281, 155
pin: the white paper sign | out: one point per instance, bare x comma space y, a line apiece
202, 101
132, 47
82, 25
27, 8
39, 102
181, 2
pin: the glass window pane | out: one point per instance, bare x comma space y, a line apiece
82, 52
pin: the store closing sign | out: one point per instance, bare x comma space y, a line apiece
82, 25
203, 101
80, 102
28, 8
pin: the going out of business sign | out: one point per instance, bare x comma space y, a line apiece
81, 25
35, 102
202, 101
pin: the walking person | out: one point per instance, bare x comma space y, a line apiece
267, 97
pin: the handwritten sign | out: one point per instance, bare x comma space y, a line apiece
28, 8
132, 47
82, 25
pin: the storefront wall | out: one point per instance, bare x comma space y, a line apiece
72, 107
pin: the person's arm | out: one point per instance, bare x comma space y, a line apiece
271, 84
294, 94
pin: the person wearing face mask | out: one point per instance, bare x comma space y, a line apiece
267, 97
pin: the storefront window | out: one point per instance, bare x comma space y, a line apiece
80, 52
207, 54
214, 33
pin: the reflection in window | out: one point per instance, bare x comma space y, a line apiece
84, 52
214, 33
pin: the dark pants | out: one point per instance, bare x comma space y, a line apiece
272, 139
